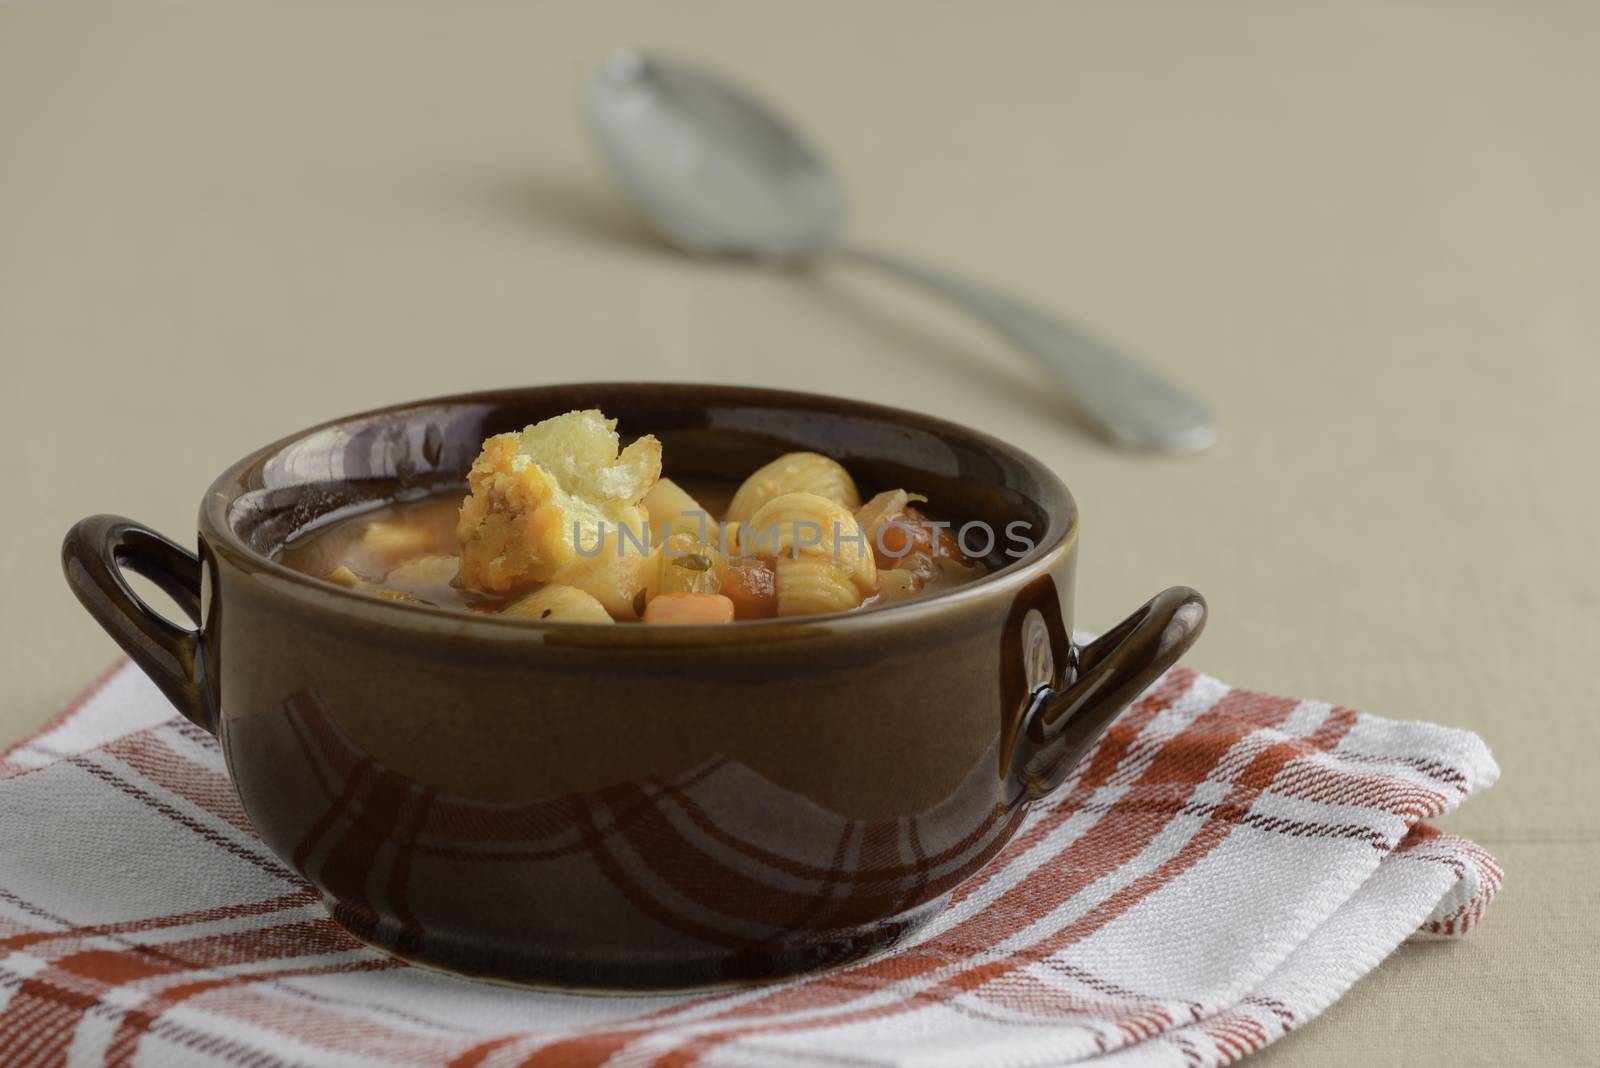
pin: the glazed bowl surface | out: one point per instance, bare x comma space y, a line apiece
629, 807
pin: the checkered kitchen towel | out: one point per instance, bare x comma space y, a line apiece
1222, 867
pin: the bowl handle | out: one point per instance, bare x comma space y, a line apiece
93, 555
1108, 673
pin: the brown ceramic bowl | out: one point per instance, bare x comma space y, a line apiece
628, 806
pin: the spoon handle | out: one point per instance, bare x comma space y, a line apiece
1127, 402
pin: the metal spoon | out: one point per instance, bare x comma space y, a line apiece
717, 173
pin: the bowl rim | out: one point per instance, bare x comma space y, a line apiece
1060, 533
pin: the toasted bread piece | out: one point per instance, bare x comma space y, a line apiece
540, 495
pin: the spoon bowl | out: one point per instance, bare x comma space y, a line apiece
716, 173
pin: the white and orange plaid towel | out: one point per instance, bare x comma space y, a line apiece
1222, 867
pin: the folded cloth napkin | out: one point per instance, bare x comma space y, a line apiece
1219, 869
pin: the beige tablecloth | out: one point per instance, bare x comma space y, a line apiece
1368, 234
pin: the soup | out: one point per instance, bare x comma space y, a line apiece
560, 523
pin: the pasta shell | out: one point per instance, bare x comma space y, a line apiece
728, 539
809, 585
803, 528
794, 472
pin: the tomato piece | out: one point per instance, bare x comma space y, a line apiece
752, 585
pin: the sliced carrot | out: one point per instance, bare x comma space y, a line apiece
689, 608
752, 585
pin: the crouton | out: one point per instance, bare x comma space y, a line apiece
543, 496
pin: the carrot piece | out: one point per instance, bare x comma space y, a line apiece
752, 585
689, 608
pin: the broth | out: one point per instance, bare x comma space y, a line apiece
428, 525
322, 549
561, 522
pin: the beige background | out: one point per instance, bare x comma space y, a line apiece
1370, 235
